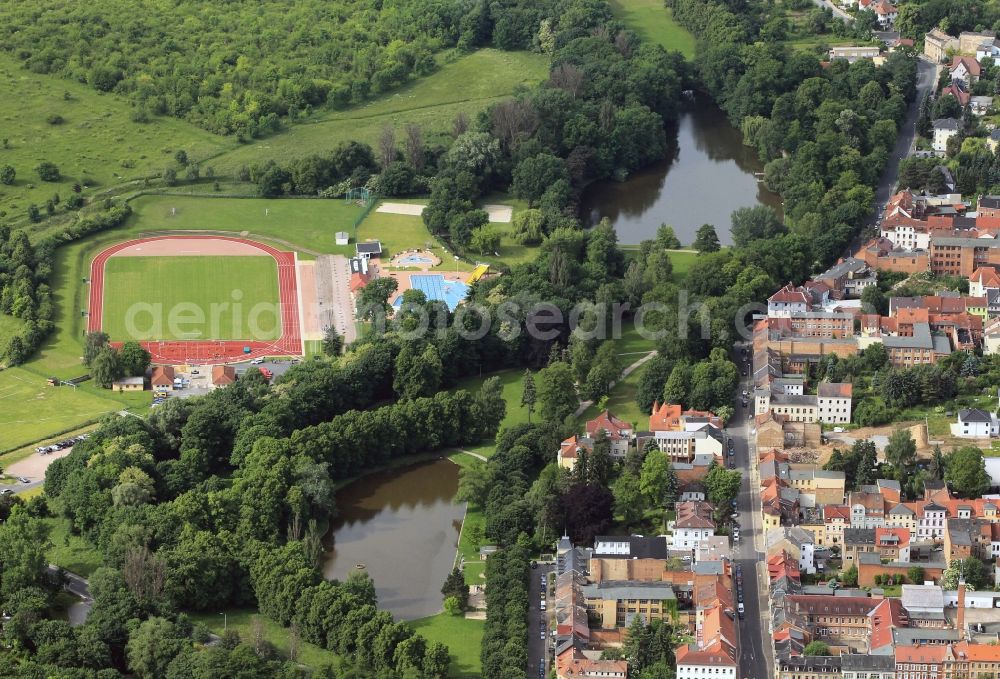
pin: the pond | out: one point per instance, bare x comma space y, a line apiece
403, 527
707, 175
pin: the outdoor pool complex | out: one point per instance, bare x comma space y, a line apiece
437, 288
416, 259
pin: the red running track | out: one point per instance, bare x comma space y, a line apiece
178, 352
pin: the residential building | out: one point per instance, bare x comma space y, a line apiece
832, 618
570, 450
618, 431
848, 276
866, 666
944, 129
988, 50
931, 520
834, 400
571, 664
885, 13
974, 423
716, 660
867, 508
957, 89
693, 522
788, 300
961, 255
893, 543
920, 662
809, 667
836, 518
857, 541
965, 70
969, 42
796, 542
615, 603
937, 45
982, 280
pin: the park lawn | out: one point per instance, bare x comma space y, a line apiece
96, 145
654, 23
239, 619
461, 635
406, 232
71, 552
682, 261
473, 526
293, 223
198, 285
512, 381
30, 410
631, 344
621, 401
465, 83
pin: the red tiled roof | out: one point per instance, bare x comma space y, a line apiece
665, 417
831, 512
924, 654
611, 424
790, 294
971, 65
835, 390
986, 276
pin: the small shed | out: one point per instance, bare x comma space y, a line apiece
372, 248
129, 384
342, 238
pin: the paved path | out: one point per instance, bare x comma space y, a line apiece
837, 11
625, 373
78, 585
469, 452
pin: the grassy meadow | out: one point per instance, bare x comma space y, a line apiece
96, 144
195, 284
462, 636
464, 84
654, 23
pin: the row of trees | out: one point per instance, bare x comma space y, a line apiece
25, 274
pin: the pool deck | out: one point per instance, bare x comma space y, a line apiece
403, 279
420, 259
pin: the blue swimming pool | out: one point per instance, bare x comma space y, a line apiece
437, 288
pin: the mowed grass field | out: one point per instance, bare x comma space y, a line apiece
287, 223
654, 23
465, 83
30, 409
191, 298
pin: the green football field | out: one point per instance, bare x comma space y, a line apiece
191, 298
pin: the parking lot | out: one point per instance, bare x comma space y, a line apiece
198, 382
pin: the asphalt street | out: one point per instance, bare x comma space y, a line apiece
748, 554
926, 79
539, 620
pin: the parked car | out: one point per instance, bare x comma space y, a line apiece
23, 479
6, 491
741, 610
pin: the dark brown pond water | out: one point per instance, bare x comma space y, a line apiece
708, 174
403, 526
